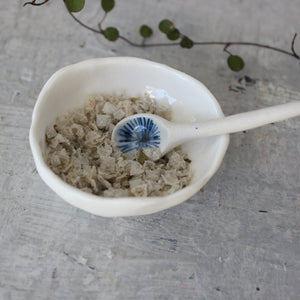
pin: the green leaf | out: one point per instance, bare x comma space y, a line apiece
107, 5
111, 33
186, 42
235, 63
75, 5
145, 31
165, 26
173, 35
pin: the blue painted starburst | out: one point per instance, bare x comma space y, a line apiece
138, 133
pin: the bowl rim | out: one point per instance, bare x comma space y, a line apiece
88, 199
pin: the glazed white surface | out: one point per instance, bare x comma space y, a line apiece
72, 86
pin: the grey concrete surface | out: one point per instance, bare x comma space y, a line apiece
236, 239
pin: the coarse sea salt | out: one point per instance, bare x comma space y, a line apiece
79, 151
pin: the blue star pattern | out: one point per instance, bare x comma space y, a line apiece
138, 133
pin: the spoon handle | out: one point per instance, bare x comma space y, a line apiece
240, 122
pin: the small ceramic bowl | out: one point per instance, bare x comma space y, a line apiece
190, 101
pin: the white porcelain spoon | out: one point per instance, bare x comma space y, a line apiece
147, 131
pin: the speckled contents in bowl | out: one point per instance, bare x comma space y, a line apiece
79, 150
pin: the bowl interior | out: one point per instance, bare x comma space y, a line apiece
72, 86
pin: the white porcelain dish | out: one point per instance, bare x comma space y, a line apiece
73, 85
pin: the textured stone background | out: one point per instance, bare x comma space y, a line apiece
237, 239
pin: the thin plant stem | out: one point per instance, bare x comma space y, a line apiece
143, 44
34, 3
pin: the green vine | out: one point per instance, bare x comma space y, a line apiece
168, 28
